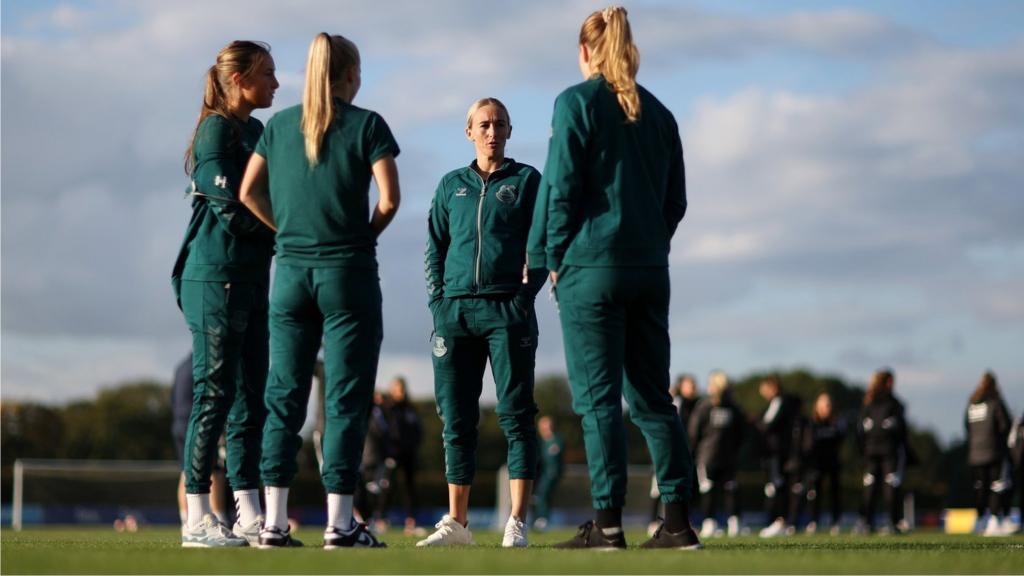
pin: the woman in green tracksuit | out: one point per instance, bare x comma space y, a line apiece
220, 281
481, 297
309, 178
615, 193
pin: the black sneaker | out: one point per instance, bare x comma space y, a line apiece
274, 537
590, 536
683, 540
356, 537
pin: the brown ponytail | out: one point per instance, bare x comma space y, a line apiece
329, 58
241, 56
608, 37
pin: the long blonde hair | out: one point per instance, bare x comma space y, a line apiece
608, 37
242, 56
329, 58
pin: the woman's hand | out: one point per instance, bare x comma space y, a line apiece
554, 279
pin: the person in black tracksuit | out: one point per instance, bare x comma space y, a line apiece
781, 428
406, 436
685, 398
882, 432
375, 467
1016, 446
988, 425
823, 438
717, 427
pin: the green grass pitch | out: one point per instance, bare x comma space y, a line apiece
158, 551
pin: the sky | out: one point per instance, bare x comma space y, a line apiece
855, 176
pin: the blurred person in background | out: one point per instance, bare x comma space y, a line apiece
781, 431
823, 439
552, 458
376, 467
882, 433
406, 436
717, 429
1015, 443
987, 422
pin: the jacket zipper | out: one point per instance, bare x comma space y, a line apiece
479, 231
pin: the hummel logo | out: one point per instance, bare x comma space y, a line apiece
460, 192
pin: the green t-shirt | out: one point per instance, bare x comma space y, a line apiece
613, 191
323, 212
224, 242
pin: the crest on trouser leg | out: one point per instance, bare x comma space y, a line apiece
439, 348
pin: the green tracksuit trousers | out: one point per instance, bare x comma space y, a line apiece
228, 321
467, 333
615, 324
341, 306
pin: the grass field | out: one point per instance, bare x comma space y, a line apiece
157, 550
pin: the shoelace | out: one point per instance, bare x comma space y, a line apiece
514, 529
585, 528
443, 528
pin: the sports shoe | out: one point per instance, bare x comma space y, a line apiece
449, 533
707, 528
540, 524
357, 536
811, 528
733, 524
993, 528
590, 536
274, 537
210, 534
250, 532
515, 534
777, 528
835, 530
683, 540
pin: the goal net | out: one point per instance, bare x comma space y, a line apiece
94, 491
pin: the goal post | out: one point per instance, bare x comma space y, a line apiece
91, 491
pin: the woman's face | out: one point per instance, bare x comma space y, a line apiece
257, 90
489, 130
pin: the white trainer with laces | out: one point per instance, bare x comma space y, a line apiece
449, 533
993, 528
210, 533
515, 534
250, 532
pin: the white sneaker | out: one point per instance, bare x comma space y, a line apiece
515, 534
449, 533
708, 527
1009, 526
811, 527
210, 534
733, 524
992, 527
251, 532
777, 528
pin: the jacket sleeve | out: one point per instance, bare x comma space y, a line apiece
217, 179
564, 175
675, 196
438, 240
536, 265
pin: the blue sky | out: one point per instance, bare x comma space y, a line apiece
854, 172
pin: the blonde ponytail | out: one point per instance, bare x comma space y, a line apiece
242, 56
329, 58
607, 34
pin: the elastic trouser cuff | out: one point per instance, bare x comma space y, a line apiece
609, 503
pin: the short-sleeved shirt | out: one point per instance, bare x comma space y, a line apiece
322, 212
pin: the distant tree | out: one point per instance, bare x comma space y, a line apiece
29, 430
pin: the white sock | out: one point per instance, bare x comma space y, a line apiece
277, 507
612, 531
247, 506
183, 516
198, 505
339, 510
